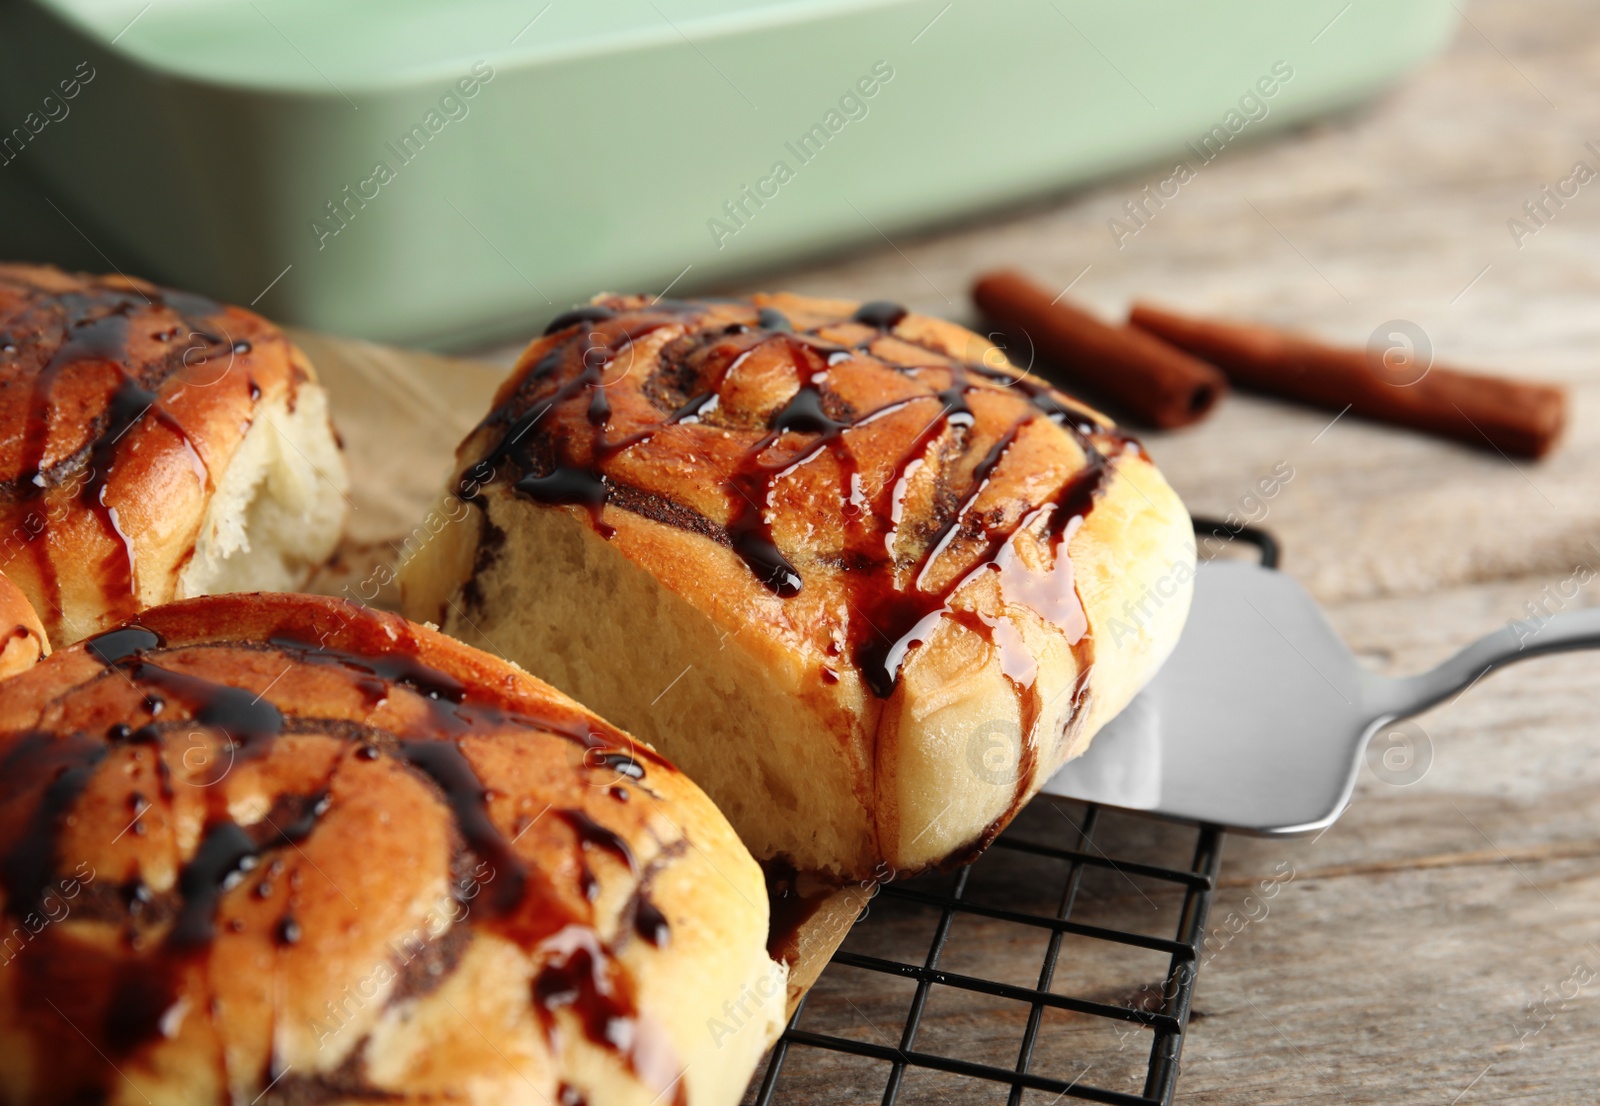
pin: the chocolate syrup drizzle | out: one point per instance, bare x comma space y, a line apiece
895, 619
581, 974
87, 331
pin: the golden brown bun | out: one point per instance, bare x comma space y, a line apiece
864, 581
153, 445
285, 841
25, 641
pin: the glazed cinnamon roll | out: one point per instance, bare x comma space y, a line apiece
865, 581
283, 849
153, 445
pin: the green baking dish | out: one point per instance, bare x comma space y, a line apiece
453, 173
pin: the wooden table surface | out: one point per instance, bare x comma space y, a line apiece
1441, 943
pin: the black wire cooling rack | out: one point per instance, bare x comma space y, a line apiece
1061, 964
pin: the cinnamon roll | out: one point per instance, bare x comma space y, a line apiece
867, 582
154, 445
284, 849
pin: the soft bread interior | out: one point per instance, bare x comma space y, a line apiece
278, 508
863, 792
562, 602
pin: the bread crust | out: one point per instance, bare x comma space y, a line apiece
256, 840
949, 573
122, 407
25, 642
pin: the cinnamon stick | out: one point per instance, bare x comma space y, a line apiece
1516, 417
1146, 378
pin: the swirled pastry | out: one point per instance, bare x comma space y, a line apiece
153, 445
867, 583
283, 849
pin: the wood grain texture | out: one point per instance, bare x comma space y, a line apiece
1403, 961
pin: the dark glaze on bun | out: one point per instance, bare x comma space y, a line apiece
270, 841
865, 581
154, 445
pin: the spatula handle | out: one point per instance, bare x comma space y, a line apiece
1515, 641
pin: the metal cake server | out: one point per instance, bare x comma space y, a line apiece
1260, 718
